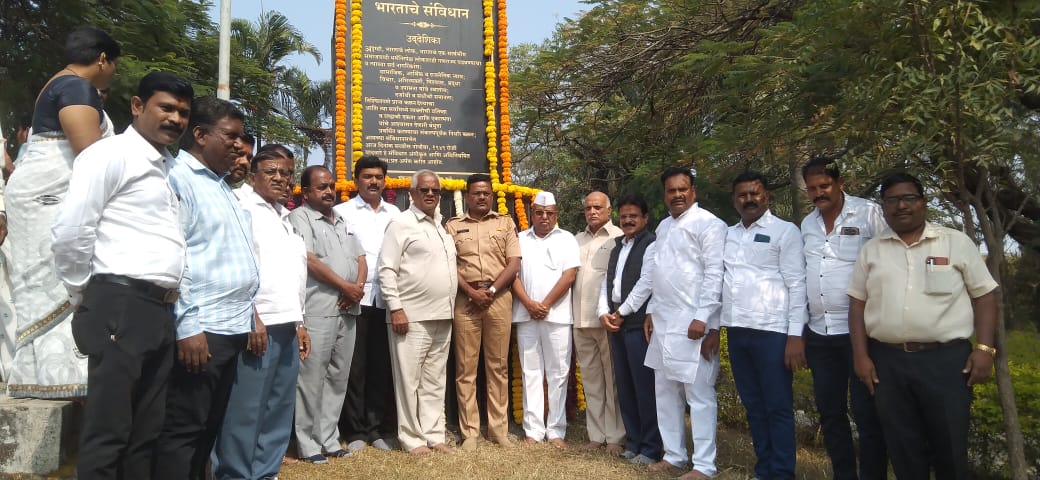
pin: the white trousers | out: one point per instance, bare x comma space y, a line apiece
545, 355
672, 398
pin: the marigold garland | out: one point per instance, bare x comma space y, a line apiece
503, 93
516, 384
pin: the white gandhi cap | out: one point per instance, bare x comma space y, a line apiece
545, 199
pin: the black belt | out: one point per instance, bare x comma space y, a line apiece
149, 289
913, 347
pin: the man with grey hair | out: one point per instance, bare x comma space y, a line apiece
418, 277
591, 343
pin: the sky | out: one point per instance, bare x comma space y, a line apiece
530, 21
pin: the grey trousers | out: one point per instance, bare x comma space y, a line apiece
323, 383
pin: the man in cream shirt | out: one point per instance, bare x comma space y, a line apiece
602, 414
417, 270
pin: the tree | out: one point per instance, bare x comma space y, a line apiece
268, 43
165, 35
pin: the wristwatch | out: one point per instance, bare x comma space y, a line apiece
986, 348
492, 289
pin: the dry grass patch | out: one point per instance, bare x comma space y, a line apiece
735, 460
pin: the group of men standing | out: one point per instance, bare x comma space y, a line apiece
886, 321
190, 295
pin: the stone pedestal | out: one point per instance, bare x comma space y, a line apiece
37, 437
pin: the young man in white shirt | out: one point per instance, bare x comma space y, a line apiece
362, 421
833, 234
542, 314
119, 249
763, 311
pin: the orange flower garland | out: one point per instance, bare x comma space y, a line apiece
356, 39
340, 73
503, 93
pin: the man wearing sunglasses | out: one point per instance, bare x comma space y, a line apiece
417, 272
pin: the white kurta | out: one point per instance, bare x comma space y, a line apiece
687, 288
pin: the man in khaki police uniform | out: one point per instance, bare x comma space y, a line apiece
602, 415
488, 259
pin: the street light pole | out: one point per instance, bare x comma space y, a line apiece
224, 55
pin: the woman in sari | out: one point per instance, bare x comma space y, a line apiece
68, 118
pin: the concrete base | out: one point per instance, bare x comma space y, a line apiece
37, 437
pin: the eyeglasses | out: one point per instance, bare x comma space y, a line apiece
895, 199
429, 190
544, 213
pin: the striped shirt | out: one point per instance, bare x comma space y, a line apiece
221, 276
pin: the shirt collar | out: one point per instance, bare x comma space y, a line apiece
361, 204
421, 215
316, 215
607, 230
153, 155
762, 221
492, 214
255, 198
196, 165
930, 231
530, 232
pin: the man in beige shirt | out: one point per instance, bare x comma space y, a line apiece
917, 293
417, 273
602, 415
488, 259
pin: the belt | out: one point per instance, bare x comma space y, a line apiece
149, 289
912, 347
482, 284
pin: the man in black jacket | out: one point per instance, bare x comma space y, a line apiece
622, 310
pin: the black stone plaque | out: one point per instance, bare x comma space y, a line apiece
423, 86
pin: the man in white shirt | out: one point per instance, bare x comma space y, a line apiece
623, 298
763, 311
833, 234
591, 344
256, 431
684, 311
119, 249
371, 380
417, 272
542, 314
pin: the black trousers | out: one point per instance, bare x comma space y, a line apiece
195, 406
129, 341
834, 382
370, 388
924, 404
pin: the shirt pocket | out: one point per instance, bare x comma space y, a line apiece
939, 279
848, 247
760, 253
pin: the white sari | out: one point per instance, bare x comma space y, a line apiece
46, 362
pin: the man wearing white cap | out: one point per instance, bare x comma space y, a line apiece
542, 314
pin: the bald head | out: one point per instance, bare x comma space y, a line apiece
597, 210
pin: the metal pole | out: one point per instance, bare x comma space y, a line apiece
224, 56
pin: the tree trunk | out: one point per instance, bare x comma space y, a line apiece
993, 231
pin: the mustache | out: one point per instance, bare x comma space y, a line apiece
750, 205
821, 197
172, 129
630, 224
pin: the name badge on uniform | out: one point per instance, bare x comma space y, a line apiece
761, 238
849, 230
465, 230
